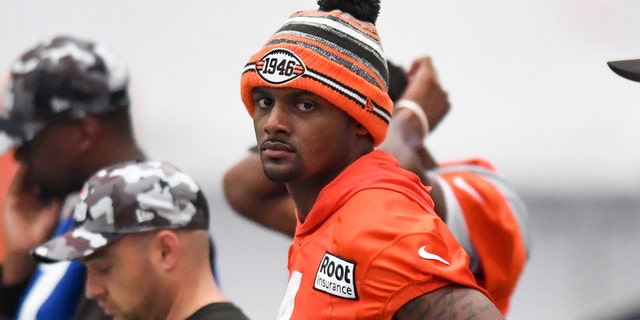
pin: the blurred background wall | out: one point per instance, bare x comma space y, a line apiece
529, 87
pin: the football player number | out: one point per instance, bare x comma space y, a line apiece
286, 308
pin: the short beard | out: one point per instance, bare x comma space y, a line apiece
278, 176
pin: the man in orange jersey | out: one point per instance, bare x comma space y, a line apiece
480, 208
368, 243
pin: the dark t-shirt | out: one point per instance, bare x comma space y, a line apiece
219, 311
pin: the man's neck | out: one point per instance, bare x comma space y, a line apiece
195, 292
305, 193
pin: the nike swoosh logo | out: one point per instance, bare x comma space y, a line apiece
430, 256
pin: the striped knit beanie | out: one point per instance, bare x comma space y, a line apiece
333, 52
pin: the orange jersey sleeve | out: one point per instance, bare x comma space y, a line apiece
488, 218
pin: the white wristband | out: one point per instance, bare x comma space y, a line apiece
417, 110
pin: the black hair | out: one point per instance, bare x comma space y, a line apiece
365, 10
397, 81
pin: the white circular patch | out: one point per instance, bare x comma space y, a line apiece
279, 66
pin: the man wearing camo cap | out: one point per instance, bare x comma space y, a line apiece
65, 114
141, 228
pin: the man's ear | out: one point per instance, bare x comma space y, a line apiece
91, 131
361, 130
167, 249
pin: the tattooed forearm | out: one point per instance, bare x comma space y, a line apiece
451, 302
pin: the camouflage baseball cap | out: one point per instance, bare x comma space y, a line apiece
61, 79
130, 197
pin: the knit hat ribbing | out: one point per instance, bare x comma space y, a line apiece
331, 54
